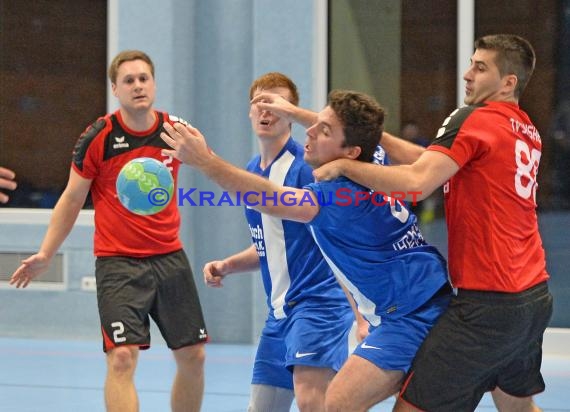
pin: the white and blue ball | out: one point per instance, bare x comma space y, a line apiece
145, 186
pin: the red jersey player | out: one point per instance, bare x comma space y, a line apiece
141, 268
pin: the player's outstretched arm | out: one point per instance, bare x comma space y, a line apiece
189, 146
62, 220
283, 108
244, 261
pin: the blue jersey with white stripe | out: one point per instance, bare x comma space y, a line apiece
292, 267
376, 249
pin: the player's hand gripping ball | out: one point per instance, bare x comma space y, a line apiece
145, 186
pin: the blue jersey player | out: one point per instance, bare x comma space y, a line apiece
305, 337
370, 240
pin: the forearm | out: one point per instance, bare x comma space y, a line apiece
400, 151
263, 195
304, 117
390, 180
62, 220
410, 182
234, 179
244, 261
189, 146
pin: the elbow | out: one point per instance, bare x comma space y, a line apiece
416, 195
299, 216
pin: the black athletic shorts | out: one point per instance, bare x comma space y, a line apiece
484, 340
129, 290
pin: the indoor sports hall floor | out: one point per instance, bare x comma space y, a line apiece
67, 376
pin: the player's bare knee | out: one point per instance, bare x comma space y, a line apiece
191, 357
309, 397
122, 359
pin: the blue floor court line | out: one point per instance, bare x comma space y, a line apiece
67, 376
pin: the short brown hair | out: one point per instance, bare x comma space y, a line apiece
362, 120
515, 55
275, 79
127, 56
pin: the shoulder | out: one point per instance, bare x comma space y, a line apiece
95, 129
291, 163
253, 164
99, 128
457, 118
300, 172
457, 121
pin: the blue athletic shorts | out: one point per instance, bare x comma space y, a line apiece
315, 337
393, 344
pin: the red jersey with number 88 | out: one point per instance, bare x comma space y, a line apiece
490, 203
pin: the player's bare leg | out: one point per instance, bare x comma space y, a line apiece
188, 386
509, 403
270, 398
311, 386
120, 391
359, 385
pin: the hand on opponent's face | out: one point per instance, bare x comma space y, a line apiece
187, 143
274, 103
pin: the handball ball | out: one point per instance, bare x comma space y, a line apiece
145, 186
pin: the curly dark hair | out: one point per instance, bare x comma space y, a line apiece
362, 119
